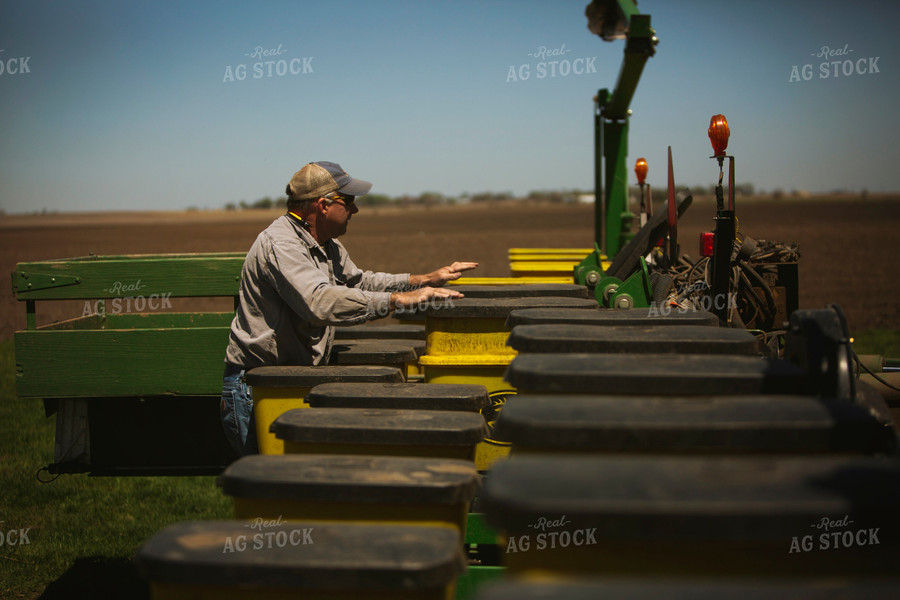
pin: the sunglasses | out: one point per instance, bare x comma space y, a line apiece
346, 201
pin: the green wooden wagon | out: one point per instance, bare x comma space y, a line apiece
134, 385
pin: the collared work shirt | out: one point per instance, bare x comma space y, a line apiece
294, 291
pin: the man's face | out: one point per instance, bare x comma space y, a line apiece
337, 212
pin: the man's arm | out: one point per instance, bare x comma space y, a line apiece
442, 275
422, 289
308, 291
416, 297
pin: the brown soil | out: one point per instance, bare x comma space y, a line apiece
843, 243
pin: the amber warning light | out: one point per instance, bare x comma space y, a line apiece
640, 169
718, 134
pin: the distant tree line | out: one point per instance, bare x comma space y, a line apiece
427, 199
659, 194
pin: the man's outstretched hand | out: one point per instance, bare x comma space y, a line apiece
443, 275
421, 296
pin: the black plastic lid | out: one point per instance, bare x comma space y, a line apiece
612, 316
404, 331
634, 339
290, 376
468, 397
654, 374
380, 426
681, 498
501, 307
689, 589
371, 352
527, 290
351, 478
731, 424
335, 556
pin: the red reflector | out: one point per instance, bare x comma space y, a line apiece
707, 239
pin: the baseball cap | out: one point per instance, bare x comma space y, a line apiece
317, 179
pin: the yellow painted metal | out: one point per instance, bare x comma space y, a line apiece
511, 280
579, 251
418, 450
546, 269
172, 591
426, 515
465, 336
567, 258
269, 403
487, 370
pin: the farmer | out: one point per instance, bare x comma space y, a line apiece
298, 282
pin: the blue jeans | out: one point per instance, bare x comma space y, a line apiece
236, 410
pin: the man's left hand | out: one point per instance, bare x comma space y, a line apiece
443, 275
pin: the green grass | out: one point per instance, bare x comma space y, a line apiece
82, 531
883, 342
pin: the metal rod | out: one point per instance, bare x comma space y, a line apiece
673, 217
731, 183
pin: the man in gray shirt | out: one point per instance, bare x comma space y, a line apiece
298, 282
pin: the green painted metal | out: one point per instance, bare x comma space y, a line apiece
125, 355
590, 270
611, 133
467, 583
172, 275
638, 48
605, 289
635, 292
478, 531
33, 281
615, 149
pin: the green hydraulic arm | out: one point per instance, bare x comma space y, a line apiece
614, 19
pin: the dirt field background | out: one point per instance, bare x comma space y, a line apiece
847, 245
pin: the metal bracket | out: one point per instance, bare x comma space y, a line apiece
24, 281
590, 270
635, 291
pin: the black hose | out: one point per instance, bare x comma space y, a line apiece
770, 298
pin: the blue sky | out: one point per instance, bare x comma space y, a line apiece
128, 105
